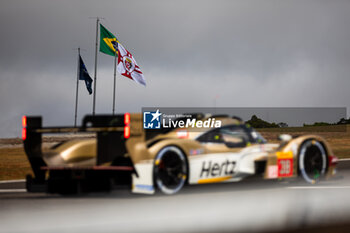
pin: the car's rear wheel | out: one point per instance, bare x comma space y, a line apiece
312, 161
170, 170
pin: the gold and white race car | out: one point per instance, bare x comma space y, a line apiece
123, 152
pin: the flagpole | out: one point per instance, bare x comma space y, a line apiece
115, 79
76, 92
95, 74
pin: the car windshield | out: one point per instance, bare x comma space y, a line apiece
232, 134
236, 135
257, 136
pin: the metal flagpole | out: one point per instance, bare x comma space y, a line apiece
115, 78
95, 75
76, 92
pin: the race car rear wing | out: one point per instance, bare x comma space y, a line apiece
112, 131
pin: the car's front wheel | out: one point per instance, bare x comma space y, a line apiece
170, 170
312, 161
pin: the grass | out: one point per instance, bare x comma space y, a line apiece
14, 163
338, 136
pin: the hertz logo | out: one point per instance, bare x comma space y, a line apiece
215, 169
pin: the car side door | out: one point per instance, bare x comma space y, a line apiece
223, 147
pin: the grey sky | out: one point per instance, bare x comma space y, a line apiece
250, 53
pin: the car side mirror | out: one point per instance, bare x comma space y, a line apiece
285, 137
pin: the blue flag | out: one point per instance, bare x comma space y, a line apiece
84, 75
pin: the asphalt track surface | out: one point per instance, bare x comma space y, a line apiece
249, 206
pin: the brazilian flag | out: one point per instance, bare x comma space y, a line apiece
108, 42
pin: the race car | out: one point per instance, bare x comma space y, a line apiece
147, 160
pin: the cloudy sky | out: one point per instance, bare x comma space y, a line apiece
246, 53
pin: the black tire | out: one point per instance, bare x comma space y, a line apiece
312, 161
170, 170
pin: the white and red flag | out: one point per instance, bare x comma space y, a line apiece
128, 67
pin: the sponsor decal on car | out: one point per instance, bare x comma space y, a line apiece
144, 187
182, 133
272, 171
285, 163
196, 151
214, 180
213, 169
